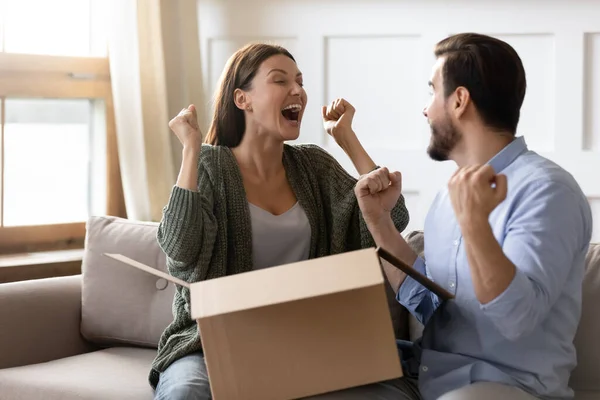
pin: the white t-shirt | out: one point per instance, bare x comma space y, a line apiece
279, 239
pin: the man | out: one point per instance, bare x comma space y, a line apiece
508, 237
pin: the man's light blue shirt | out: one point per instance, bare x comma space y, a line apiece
524, 337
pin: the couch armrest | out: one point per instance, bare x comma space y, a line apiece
39, 321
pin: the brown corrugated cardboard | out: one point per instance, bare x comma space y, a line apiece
295, 330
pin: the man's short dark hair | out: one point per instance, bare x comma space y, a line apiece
492, 72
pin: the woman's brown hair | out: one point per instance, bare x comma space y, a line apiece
228, 124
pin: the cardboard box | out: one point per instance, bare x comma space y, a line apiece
294, 330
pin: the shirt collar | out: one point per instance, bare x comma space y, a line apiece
508, 154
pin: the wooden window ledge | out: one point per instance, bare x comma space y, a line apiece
37, 265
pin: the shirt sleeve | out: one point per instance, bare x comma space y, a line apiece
546, 239
416, 298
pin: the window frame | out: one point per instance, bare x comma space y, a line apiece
60, 77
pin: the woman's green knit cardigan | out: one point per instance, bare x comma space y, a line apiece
207, 234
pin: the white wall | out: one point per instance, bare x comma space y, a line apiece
378, 55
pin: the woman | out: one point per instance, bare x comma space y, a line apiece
246, 190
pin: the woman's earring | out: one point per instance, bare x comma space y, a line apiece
249, 108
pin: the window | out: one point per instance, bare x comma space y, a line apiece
54, 27
58, 161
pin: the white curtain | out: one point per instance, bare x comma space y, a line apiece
154, 56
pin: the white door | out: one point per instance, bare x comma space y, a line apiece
378, 55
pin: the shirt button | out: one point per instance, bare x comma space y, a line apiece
424, 368
451, 284
456, 242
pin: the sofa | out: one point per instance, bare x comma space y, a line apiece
94, 336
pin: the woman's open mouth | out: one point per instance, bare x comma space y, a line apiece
292, 112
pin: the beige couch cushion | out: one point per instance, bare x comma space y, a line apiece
586, 377
40, 320
121, 304
124, 305
117, 373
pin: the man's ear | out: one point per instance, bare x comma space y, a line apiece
242, 100
461, 101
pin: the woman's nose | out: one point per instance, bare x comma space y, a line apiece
296, 89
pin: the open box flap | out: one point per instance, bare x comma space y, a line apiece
144, 267
416, 275
286, 283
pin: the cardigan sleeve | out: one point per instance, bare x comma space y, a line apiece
188, 226
347, 227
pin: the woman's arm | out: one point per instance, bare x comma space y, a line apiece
188, 225
357, 153
188, 172
347, 228
337, 120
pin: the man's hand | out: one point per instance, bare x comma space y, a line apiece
475, 192
377, 193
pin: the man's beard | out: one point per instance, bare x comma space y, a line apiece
444, 138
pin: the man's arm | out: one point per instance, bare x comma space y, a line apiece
388, 237
416, 298
518, 281
491, 270
377, 192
